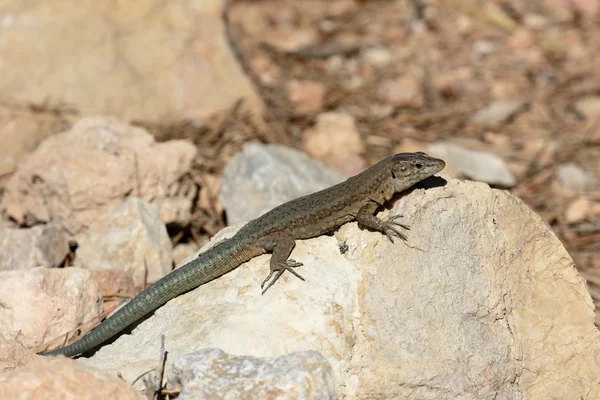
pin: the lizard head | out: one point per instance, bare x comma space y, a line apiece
410, 168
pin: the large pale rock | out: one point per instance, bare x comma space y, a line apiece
147, 61
131, 238
40, 304
40, 246
265, 176
74, 177
59, 378
481, 302
212, 374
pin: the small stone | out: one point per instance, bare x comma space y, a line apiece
478, 165
589, 107
535, 21
574, 178
306, 96
498, 112
483, 47
577, 211
402, 92
377, 56
334, 137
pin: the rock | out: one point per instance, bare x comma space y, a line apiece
377, 56
213, 374
402, 92
20, 133
483, 48
40, 246
176, 210
574, 178
262, 177
131, 238
77, 176
589, 107
482, 301
477, 165
578, 210
181, 251
61, 378
333, 138
40, 304
177, 63
13, 355
306, 96
498, 112
114, 283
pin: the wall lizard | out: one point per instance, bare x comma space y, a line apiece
357, 198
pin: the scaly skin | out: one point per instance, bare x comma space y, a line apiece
357, 198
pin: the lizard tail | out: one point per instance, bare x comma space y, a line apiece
218, 260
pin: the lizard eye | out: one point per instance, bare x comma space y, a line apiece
393, 174
418, 166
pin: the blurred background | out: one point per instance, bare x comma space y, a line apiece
507, 92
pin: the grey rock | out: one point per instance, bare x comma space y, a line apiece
498, 112
261, 177
212, 374
574, 178
477, 165
40, 246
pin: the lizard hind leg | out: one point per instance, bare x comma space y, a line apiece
281, 244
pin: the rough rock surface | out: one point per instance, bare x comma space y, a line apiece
212, 374
147, 61
131, 238
74, 177
265, 176
481, 302
59, 378
40, 304
40, 246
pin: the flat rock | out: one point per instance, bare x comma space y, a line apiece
75, 177
40, 246
131, 238
262, 177
481, 302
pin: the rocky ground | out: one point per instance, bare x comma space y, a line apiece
507, 92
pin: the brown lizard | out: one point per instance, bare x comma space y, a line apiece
357, 198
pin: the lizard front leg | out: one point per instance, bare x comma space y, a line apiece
281, 244
366, 218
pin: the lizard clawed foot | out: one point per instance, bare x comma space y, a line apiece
389, 228
287, 265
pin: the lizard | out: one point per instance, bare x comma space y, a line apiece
358, 198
